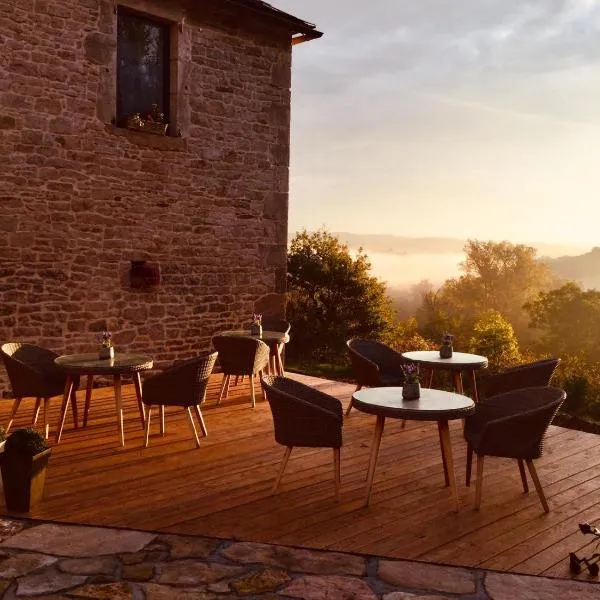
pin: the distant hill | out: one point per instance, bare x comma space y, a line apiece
393, 244
584, 268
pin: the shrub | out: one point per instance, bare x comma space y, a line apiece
28, 442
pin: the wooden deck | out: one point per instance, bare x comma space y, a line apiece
223, 488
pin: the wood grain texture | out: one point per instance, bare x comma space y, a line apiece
224, 488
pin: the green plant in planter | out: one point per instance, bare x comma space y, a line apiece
23, 464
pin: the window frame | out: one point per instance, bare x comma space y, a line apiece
167, 27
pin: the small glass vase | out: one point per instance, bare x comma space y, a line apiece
256, 329
411, 391
106, 352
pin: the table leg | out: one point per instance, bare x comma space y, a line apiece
374, 454
447, 453
119, 405
458, 385
280, 370
162, 419
137, 383
65, 406
474, 383
430, 381
88, 399
446, 479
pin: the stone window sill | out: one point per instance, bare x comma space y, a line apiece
149, 140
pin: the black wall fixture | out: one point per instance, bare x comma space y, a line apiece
144, 275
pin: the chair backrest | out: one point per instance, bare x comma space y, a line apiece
533, 374
275, 324
183, 384
27, 366
302, 415
520, 433
240, 355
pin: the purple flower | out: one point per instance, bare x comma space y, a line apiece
257, 318
105, 339
411, 372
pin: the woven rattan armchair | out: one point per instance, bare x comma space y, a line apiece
513, 425
33, 374
240, 355
304, 417
534, 374
374, 364
184, 384
531, 374
276, 350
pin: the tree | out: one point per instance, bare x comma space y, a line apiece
332, 297
494, 338
569, 321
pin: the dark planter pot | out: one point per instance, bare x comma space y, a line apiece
23, 479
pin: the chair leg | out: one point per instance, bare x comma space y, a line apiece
148, 412
538, 485
74, 407
201, 420
469, 464
479, 482
88, 399
224, 388
284, 462
161, 410
523, 475
337, 469
193, 426
350, 405
252, 390
46, 424
36, 411
13, 412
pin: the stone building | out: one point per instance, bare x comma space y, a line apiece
142, 130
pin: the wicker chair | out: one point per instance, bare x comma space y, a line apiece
534, 374
374, 364
240, 356
184, 384
33, 374
304, 417
531, 374
276, 350
513, 425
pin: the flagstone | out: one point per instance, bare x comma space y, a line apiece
19, 565
192, 573
104, 565
141, 572
163, 592
507, 586
189, 546
67, 540
267, 580
103, 591
312, 587
432, 578
47, 581
296, 559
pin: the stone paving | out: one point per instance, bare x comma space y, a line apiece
49, 561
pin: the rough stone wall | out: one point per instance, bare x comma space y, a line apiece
80, 199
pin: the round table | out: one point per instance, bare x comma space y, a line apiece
433, 405
459, 362
90, 365
268, 337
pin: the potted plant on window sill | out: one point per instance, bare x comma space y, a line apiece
152, 121
23, 465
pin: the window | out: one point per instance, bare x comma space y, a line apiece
142, 68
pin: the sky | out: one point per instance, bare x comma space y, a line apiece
460, 118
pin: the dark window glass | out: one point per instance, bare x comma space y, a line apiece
142, 67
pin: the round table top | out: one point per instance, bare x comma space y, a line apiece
433, 405
280, 337
458, 361
90, 364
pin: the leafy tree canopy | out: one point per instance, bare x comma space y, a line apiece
494, 337
332, 297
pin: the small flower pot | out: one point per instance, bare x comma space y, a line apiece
446, 351
255, 329
23, 479
411, 391
106, 352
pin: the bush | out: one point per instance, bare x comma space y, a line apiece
27, 442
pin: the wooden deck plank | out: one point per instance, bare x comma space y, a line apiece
223, 489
